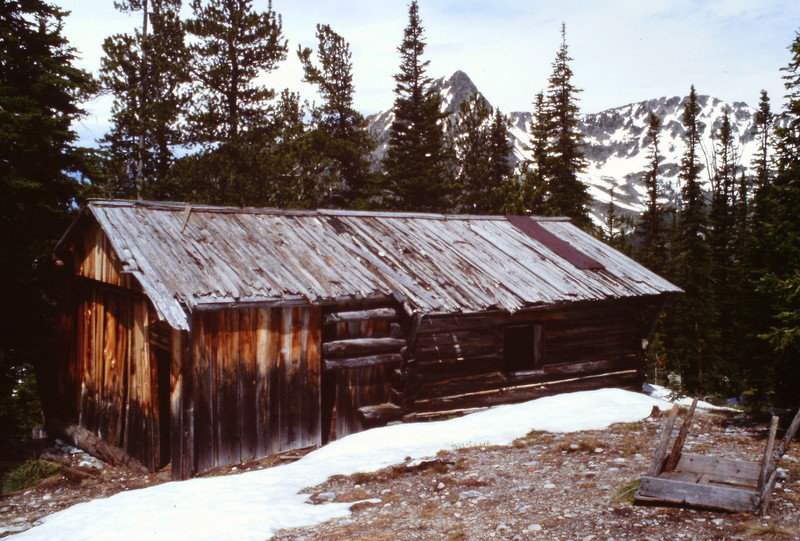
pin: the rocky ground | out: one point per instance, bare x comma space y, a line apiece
545, 486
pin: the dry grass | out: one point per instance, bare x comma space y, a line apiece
773, 532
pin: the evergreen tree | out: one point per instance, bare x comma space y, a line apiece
567, 194
144, 72
690, 315
341, 137
483, 151
233, 46
416, 175
534, 172
40, 92
780, 245
472, 156
762, 128
652, 251
501, 170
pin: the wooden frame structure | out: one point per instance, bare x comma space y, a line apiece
713, 482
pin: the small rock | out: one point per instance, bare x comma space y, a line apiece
548, 485
440, 486
470, 494
535, 528
502, 529
326, 496
718, 521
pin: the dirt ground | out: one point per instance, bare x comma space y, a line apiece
546, 486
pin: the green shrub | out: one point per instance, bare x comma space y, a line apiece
626, 492
28, 475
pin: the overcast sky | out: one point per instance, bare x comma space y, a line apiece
624, 51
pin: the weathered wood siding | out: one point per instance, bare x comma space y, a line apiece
458, 362
352, 388
111, 379
95, 259
247, 385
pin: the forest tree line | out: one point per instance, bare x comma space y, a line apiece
193, 121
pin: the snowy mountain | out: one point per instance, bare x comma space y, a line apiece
616, 142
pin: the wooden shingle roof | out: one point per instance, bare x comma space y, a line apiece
187, 256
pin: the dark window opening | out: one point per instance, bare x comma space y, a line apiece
523, 347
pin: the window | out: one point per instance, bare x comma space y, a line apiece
523, 347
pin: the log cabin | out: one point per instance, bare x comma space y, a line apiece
205, 336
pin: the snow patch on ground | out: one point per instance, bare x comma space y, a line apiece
657, 391
253, 505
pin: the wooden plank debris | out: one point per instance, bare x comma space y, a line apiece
713, 482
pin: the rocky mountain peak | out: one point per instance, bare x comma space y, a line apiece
616, 140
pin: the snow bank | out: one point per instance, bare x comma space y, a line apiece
657, 391
253, 505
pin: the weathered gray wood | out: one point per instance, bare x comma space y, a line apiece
359, 347
765, 496
343, 317
666, 434
699, 495
764, 473
721, 470
787, 438
381, 412
675, 453
361, 362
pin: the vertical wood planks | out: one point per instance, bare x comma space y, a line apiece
259, 382
112, 371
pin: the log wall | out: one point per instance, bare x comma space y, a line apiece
247, 383
458, 362
352, 381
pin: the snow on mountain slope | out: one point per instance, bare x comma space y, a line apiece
616, 140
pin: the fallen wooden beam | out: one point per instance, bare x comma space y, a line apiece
89, 442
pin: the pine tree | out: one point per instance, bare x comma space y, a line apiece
762, 128
472, 156
567, 194
144, 72
723, 185
652, 252
501, 170
534, 172
483, 154
40, 92
690, 315
341, 137
233, 46
780, 254
416, 176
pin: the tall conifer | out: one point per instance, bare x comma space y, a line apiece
416, 176
567, 194
341, 136
144, 72
652, 251
689, 317
232, 112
